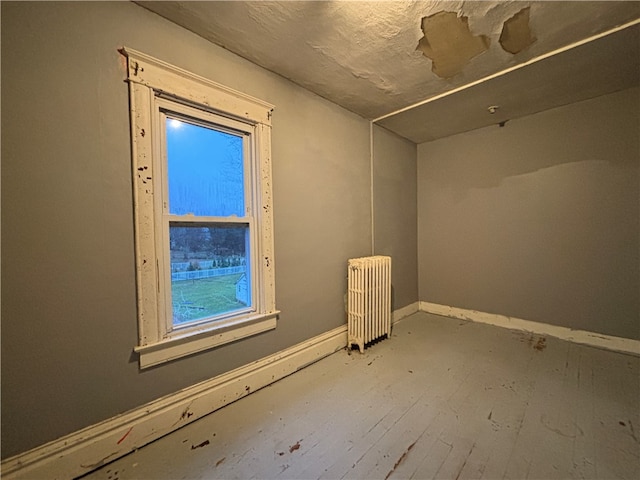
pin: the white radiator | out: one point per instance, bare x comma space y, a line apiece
369, 300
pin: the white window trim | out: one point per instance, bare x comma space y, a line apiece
149, 80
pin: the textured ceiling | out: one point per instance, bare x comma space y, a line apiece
375, 58
605, 65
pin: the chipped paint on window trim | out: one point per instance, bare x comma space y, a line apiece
150, 79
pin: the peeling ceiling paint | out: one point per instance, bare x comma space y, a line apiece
362, 54
516, 33
449, 43
603, 66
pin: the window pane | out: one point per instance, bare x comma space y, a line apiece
210, 272
205, 169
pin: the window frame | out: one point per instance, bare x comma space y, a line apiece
155, 88
164, 218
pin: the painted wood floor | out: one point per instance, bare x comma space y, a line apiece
441, 398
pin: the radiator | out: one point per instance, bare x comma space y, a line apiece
368, 300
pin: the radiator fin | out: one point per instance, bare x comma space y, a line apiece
368, 300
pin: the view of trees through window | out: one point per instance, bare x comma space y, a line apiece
209, 263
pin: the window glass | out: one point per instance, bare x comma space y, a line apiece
205, 169
209, 271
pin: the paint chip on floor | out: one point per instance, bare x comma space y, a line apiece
203, 444
295, 447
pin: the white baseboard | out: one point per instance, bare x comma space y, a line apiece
599, 340
403, 312
94, 446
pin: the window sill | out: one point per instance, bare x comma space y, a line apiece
205, 339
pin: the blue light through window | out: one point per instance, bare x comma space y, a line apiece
205, 168
210, 267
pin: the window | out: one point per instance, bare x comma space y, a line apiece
202, 179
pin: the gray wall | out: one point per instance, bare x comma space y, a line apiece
68, 299
539, 219
395, 212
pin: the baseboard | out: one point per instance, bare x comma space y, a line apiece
90, 448
403, 312
94, 446
599, 340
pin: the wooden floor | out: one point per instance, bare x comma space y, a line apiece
441, 398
